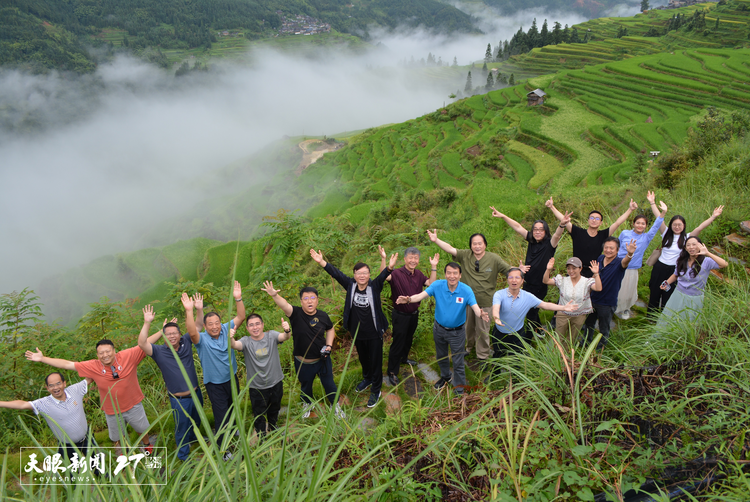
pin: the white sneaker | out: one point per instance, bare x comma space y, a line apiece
306, 409
228, 456
339, 412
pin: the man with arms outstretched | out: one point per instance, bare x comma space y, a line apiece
405, 281
480, 270
212, 346
179, 347
364, 319
312, 332
452, 298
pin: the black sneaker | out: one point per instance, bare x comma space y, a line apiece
393, 379
410, 362
443, 382
374, 398
362, 385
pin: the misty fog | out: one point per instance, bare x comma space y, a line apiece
102, 159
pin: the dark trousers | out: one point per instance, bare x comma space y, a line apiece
185, 412
453, 340
266, 405
540, 291
507, 343
306, 375
371, 358
659, 297
603, 314
220, 395
404, 327
83, 446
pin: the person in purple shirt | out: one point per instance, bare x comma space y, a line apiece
629, 288
690, 274
405, 281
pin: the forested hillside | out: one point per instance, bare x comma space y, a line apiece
49, 34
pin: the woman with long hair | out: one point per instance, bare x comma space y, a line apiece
673, 237
691, 274
542, 247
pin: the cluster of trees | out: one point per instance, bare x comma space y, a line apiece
491, 82
522, 42
430, 61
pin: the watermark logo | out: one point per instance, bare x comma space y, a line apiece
101, 465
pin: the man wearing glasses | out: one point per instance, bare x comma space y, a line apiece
589, 242
116, 376
63, 411
364, 318
480, 271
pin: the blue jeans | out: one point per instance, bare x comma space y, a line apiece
306, 375
184, 409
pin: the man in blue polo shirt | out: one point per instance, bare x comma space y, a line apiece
611, 271
184, 408
451, 299
214, 352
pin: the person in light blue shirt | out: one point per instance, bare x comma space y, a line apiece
629, 288
509, 308
449, 330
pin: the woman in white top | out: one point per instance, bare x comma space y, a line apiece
576, 289
672, 243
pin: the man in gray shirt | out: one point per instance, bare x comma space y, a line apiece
264, 374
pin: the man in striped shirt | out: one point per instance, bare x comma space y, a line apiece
63, 411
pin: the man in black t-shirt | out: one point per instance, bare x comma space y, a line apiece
312, 335
364, 318
589, 242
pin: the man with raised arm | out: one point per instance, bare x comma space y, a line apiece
405, 281
589, 242
611, 271
63, 411
212, 346
364, 319
312, 332
172, 358
116, 376
449, 331
480, 271
265, 378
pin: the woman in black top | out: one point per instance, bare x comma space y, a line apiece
542, 247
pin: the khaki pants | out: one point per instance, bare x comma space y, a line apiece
568, 328
478, 333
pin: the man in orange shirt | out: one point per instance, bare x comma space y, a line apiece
116, 376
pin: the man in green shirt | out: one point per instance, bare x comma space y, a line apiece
480, 274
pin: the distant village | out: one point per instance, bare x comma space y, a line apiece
301, 25
675, 4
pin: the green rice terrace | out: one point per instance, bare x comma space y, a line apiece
663, 413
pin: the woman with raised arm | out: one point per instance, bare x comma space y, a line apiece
690, 274
673, 237
629, 287
542, 247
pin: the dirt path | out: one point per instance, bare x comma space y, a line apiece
310, 157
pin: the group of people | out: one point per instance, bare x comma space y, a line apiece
601, 281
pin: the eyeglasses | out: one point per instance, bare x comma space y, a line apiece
309, 298
54, 385
254, 324
114, 372
476, 266
595, 218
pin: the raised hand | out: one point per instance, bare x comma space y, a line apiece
651, 197
237, 292
435, 260
285, 325
268, 288
570, 306
702, 250
35, 356
549, 203
317, 256
148, 314
631, 246
187, 302
524, 268
198, 301
551, 264
232, 331
662, 207
392, 261
566, 218
381, 250
432, 235
174, 320
594, 265
633, 205
717, 212
496, 213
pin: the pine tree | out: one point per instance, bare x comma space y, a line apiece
644, 5
566, 34
545, 34
455, 61
488, 54
557, 33
533, 36
716, 25
512, 79
490, 82
574, 38
468, 87
484, 69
